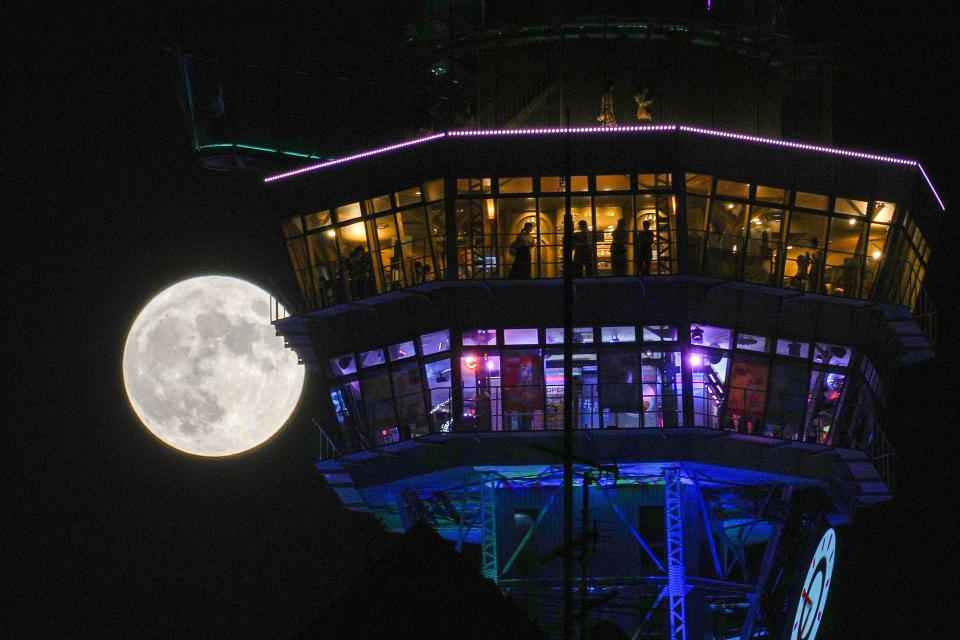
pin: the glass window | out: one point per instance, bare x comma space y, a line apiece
708, 368
618, 334
480, 374
751, 342
378, 407
441, 406
342, 365
710, 336
855, 207
473, 185
516, 185
434, 190
409, 196
804, 258
292, 227
661, 379
699, 183
356, 262
793, 349
736, 189
653, 181
659, 333
371, 358
613, 183
619, 390
318, 219
787, 400
402, 350
831, 354
842, 271
519, 251
480, 337
614, 234
476, 238
771, 194
579, 183
435, 342
763, 244
348, 212
520, 336
378, 204
408, 391
390, 258
581, 335
522, 390
747, 393
551, 184
812, 201
883, 212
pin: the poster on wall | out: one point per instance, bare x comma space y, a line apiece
748, 389
522, 379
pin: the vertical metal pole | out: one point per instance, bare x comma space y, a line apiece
676, 571
584, 557
567, 402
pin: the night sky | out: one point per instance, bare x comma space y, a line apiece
112, 533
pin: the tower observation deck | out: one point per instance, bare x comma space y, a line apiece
739, 303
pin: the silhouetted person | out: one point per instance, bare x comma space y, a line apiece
618, 248
803, 265
645, 248
582, 251
522, 259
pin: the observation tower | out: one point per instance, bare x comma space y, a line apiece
609, 324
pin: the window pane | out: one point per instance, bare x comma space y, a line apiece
855, 207
402, 350
812, 201
550, 184
653, 181
473, 185
581, 335
480, 337
771, 194
390, 259
476, 249
883, 212
516, 185
409, 196
348, 212
434, 190
435, 342
710, 336
660, 333
318, 219
613, 183
699, 183
793, 349
618, 334
371, 358
378, 204
551, 236
292, 227
518, 248
343, 365
520, 336
831, 354
578, 183
737, 189
750, 342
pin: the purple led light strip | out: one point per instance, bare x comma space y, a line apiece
356, 156
471, 133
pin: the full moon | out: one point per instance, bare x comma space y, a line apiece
204, 370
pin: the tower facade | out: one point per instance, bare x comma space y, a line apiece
738, 303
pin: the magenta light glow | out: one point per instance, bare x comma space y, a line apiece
539, 131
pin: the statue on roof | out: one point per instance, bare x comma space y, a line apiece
606, 117
643, 101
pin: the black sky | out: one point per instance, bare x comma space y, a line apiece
112, 532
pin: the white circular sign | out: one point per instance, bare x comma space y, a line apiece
813, 593
204, 369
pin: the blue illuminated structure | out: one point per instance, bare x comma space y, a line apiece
738, 303
728, 395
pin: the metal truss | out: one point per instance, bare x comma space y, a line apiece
488, 526
676, 573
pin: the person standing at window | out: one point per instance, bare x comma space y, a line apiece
522, 258
645, 248
582, 251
